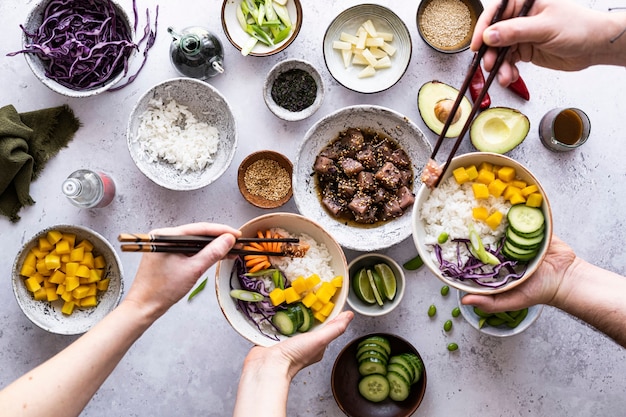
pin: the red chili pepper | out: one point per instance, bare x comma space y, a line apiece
519, 88
476, 86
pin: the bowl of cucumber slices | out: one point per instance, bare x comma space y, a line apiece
379, 374
486, 227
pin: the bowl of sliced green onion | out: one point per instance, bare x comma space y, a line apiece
261, 27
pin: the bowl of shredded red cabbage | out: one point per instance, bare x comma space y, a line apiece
81, 48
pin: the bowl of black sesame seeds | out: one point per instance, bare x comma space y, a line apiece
447, 25
293, 90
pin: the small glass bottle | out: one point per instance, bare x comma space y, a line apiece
195, 52
89, 189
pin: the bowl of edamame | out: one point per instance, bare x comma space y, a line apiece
502, 324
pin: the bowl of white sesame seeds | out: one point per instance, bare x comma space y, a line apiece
447, 25
264, 179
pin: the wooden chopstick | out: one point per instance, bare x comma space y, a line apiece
502, 52
192, 239
173, 248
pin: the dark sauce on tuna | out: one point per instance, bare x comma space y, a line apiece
364, 178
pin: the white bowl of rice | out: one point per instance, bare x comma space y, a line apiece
182, 134
325, 257
448, 210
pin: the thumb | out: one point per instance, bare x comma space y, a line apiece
336, 327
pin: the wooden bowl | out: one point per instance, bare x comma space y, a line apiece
262, 198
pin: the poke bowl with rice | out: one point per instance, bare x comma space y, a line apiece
486, 227
268, 298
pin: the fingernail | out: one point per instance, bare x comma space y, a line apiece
491, 37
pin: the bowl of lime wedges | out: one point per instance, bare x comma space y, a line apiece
376, 284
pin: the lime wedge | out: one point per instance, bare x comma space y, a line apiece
388, 279
362, 288
375, 289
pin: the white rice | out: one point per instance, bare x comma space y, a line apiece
171, 133
448, 209
316, 260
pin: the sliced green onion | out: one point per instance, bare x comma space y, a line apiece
197, 289
245, 295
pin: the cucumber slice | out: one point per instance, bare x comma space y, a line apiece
404, 363
524, 242
525, 220
308, 321
285, 322
374, 388
399, 387
298, 314
379, 340
399, 369
417, 364
517, 254
371, 366
371, 354
372, 346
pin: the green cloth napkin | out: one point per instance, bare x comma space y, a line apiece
27, 142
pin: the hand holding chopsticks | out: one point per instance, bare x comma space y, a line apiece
502, 52
189, 244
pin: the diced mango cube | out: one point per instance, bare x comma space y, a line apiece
460, 175
71, 283
486, 166
337, 281
76, 255
39, 278
325, 292
471, 172
526, 191
517, 198
510, 191
83, 271
317, 306
277, 295
48, 284
51, 294
39, 254
89, 301
506, 174
85, 244
494, 220
80, 292
94, 275
103, 285
327, 309
93, 290
67, 296
44, 245
60, 289
57, 277
88, 260
299, 284
312, 281
481, 191
71, 238
53, 236
319, 317
291, 295
41, 294
64, 259
71, 268
53, 262
519, 183
496, 187
28, 270
32, 285
485, 176
99, 262
534, 200
41, 267
30, 259
68, 307
309, 299
480, 213
63, 247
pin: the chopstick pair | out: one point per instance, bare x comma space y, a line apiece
190, 244
502, 52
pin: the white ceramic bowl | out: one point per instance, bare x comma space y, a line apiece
384, 20
33, 22
293, 223
207, 105
368, 260
473, 319
380, 119
275, 72
425, 251
238, 37
48, 315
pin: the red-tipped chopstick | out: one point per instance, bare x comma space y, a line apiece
502, 52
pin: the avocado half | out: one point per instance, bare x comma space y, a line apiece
499, 129
434, 101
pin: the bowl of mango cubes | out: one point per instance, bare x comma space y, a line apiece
67, 278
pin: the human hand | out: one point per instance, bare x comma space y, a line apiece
164, 278
556, 34
299, 351
540, 288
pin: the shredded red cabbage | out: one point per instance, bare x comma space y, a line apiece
474, 269
84, 43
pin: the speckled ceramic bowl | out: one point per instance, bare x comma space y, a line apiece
386, 121
474, 7
281, 68
208, 105
238, 37
503, 330
33, 22
384, 20
48, 315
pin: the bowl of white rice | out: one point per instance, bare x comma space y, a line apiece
324, 258
182, 134
443, 217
